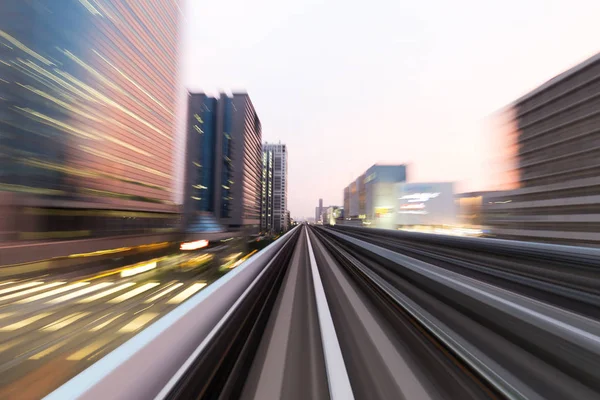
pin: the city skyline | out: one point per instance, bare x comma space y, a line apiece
305, 83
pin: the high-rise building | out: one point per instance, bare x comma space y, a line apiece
319, 211
266, 195
274, 188
354, 201
246, 136
558, 165
346, 200
87, 113
208, 166
222, 169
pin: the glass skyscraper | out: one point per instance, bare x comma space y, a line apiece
87, 105
273, 213
223, 162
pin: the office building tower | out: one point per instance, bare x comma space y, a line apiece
266, 195
346, 200
288, 219
88, 93
361, 196
319, 211
558, 164
274, 188
246, 136
354, 203
223, 163
208, 167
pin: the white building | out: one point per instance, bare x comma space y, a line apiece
411, 205
425, 204
273, 215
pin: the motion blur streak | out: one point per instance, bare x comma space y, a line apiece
415, 315
89, 349
65, 321
24, 323
33, 290
138, 322
134, 292
106, 293
186, 293
105, 323
53, 292
198, 244
80, 292
4, 315
47, 351
163, 293
19, 287
138, 270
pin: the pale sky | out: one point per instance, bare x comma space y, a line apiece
346, 84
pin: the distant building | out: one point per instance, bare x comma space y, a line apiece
557, 161
333, 215
319, 211
346, 200
223, 163
274, 215
362, 195
354, 201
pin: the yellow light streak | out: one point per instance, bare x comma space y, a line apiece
23, 323
105, 323
19, 287
89, 349
139, 322
53, 292
134, 292
81, 292
106, 293
47, 351
138, 269
163, 293
187, 293
65, 321
26, 49
32, 290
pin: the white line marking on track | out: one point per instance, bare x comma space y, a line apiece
337, 376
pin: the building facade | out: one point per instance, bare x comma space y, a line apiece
246, 136
223, 163
88, 95
266, 198
346, 200
361, 196
558, 163
319, 212
274, 188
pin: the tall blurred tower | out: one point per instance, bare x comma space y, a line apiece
246, 136
274, 188
266, 195
223, 163
88, 93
